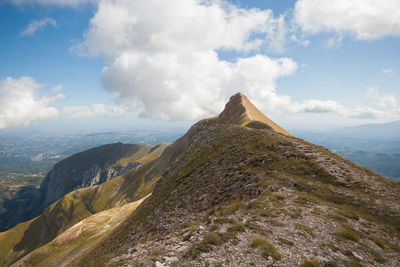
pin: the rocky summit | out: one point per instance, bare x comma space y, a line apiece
235, 190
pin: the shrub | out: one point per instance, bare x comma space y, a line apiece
212, 238
277, 196
310, 263
286, 242
233, 207
349, 233
209, 239
379, 242
266, 248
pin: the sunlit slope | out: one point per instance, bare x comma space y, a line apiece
79, 205
239, 110
79, 239
32, 234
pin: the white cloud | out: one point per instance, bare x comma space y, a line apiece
20, 102
318, 106
388, 72
384, 101
164, 61
363, 19
162, 56
278, 38
301, 41
36, 25
93, 110
60, 3
367, 113
334, 42
329, 106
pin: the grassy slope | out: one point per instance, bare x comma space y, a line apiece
79, 238
225, 164
79, 205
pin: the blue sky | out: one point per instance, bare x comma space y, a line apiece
105, 64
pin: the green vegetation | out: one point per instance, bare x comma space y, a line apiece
286, 242
209, 240
310, 263
380, 242
277, 196
23, 166
234, 206
267, 249
349, 233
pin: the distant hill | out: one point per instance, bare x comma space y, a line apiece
386, 164
374, 146
371, 131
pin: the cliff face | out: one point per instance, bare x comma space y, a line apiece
87, 168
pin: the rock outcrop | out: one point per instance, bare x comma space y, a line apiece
239, 110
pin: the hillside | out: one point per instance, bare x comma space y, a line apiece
236, 190
79, 205
258, 197
87, 168
92, 231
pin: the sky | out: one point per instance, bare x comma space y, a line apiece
107, 64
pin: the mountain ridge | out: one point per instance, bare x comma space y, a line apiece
254, 192
237, 192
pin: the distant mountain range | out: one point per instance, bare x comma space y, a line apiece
374, 146
372, 131
235, 190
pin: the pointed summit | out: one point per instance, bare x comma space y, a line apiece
239, 110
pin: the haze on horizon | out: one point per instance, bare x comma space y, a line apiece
100, 64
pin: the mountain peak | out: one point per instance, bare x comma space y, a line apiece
239, 110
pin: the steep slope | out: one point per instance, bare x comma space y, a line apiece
78, 205
87, 168
240, 196
239, 110
80, 237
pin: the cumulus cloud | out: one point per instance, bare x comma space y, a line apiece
165, 61
93, 110
361, 112
318, 106
60, 3
363, 19
162, 56
20, 102
388, 72
36, 25
384, 100
329, 106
